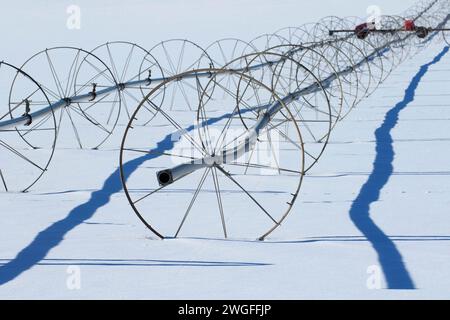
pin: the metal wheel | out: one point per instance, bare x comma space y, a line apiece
225, 194
66, 73
321, 67
21, 127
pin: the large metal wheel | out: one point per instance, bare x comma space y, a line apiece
65, 73
21, 163
226, 197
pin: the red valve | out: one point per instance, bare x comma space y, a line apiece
409, 25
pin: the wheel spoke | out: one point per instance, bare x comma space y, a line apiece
219, 201
75, 130
70, 77
55, 76
197, 191
20, 155
247, 193
3, 180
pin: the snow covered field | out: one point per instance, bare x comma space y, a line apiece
355, 219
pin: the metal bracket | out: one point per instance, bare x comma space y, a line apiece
149, 78
93, 92
27, 113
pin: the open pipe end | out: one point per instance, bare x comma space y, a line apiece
164, 177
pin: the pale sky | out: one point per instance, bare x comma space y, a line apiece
30, 26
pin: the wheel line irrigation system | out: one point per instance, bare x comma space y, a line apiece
285, 91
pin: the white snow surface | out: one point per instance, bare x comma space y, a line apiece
318, 252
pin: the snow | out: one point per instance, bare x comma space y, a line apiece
71, 219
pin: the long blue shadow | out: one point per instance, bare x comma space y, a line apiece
53, 235
391, 261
